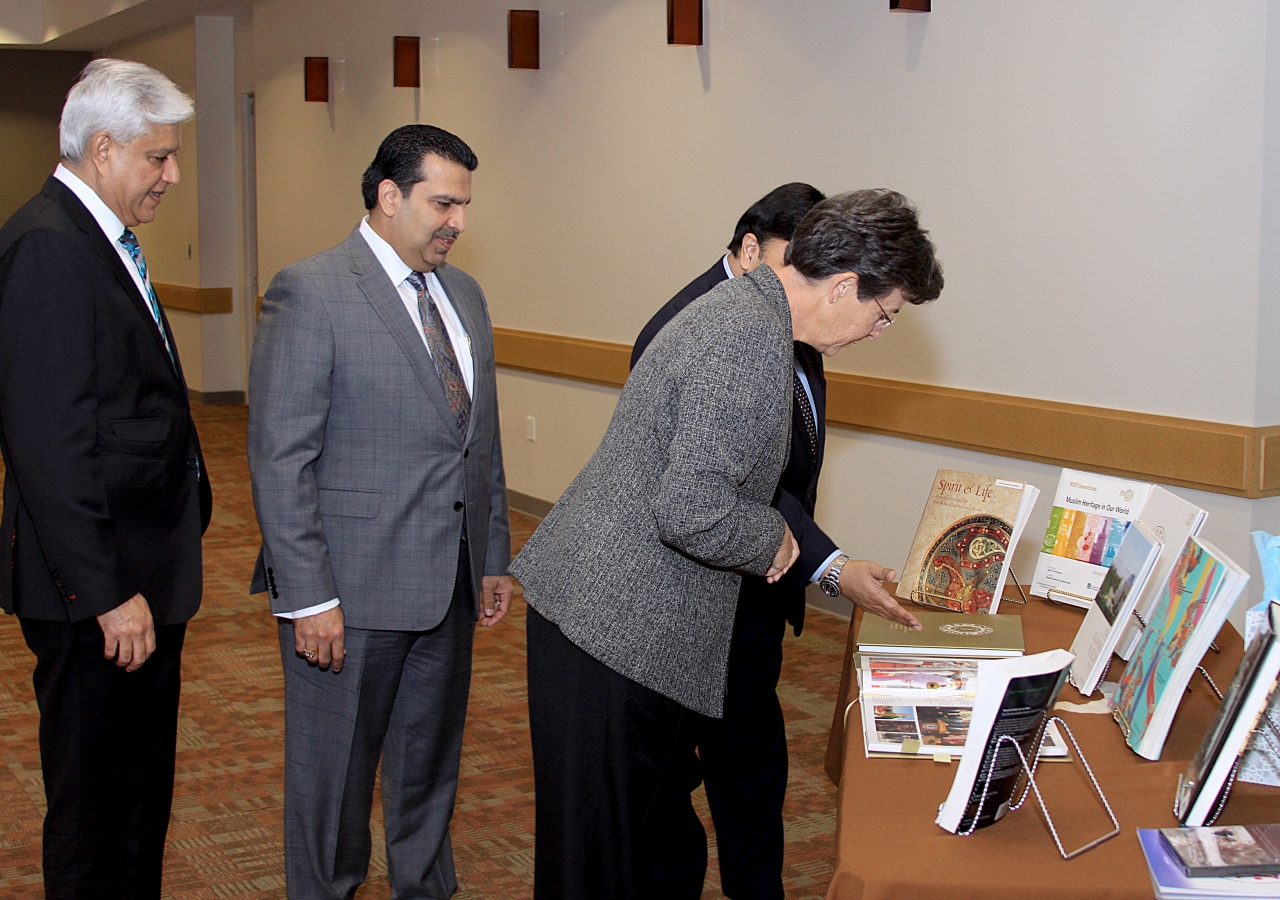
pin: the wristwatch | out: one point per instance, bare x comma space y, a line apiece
830, 580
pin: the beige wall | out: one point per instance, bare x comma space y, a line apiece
1100, 178
35, 85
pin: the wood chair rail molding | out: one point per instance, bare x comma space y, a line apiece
1224, 459
202, 301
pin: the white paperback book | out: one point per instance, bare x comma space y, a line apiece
1171, 520
1013, 697
1112, 608
1089, 518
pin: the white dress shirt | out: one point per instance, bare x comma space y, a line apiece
108, 221
398, 273
813, 408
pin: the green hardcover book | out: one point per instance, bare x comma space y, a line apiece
944, 634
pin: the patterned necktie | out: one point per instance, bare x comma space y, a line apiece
446, 361
806, 412
129, 241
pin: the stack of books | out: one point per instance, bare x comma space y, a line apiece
917, 688
1218, 863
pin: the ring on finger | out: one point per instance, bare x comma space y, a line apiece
309, 653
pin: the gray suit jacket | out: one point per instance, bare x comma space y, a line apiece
360, 480
638, 562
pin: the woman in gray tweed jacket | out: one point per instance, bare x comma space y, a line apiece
633, 577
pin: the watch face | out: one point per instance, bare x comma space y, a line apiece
831, 590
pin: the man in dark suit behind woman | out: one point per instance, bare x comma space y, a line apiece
742, 757
106, 493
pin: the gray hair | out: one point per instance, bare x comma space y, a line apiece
122, 98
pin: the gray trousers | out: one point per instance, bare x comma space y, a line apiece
402, 696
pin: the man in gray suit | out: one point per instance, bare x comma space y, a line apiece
633, 577
378, 482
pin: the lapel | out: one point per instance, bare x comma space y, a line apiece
385, 300
471, 314
60, 194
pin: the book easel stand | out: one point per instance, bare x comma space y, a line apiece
1267, 731
1030, 771
921, 598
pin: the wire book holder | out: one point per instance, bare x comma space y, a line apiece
920, 597
1030, 771
1266, 731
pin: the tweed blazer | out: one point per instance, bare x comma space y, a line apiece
639, 561
360, 479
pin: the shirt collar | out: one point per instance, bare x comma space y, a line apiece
108, 221
727, 268
387, 257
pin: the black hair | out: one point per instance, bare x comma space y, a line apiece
400, 158
776, 214
875, 233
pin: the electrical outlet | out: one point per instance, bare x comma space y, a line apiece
530, 428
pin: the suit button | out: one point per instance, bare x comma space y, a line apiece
466, 453
457, 507
192, 464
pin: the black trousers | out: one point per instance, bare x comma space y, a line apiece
612, 780
743, 756
107, 742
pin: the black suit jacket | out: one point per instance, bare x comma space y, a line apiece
106, 493
797, 493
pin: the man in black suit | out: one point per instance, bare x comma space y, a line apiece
106, 493
742, 757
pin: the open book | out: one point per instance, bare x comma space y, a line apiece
1013, 697
964, 544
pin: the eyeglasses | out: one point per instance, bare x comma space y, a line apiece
884, 321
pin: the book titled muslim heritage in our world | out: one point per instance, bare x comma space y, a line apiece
1112, 608
1188, 613
1086, 525
964, 545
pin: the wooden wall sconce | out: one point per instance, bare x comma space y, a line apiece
523, 39
911, 5
684, 22
316, 75
408, 70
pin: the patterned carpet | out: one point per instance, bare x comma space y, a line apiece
225, 839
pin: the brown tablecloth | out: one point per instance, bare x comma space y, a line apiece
888, 847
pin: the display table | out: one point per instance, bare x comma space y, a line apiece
888, 847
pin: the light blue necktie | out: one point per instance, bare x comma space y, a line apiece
129, 241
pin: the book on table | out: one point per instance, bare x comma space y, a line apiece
963, 547
943, 634
1190, 609
1172, 520
920, 706
1012, 699
1112, 607
1171, 881
1239, 721
1221, 851
1087, 522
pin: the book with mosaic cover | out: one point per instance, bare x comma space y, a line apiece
1191, 608
964, 544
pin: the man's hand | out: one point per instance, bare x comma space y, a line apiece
495, 598
319, 639
130, 633
787, 554
860, 581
